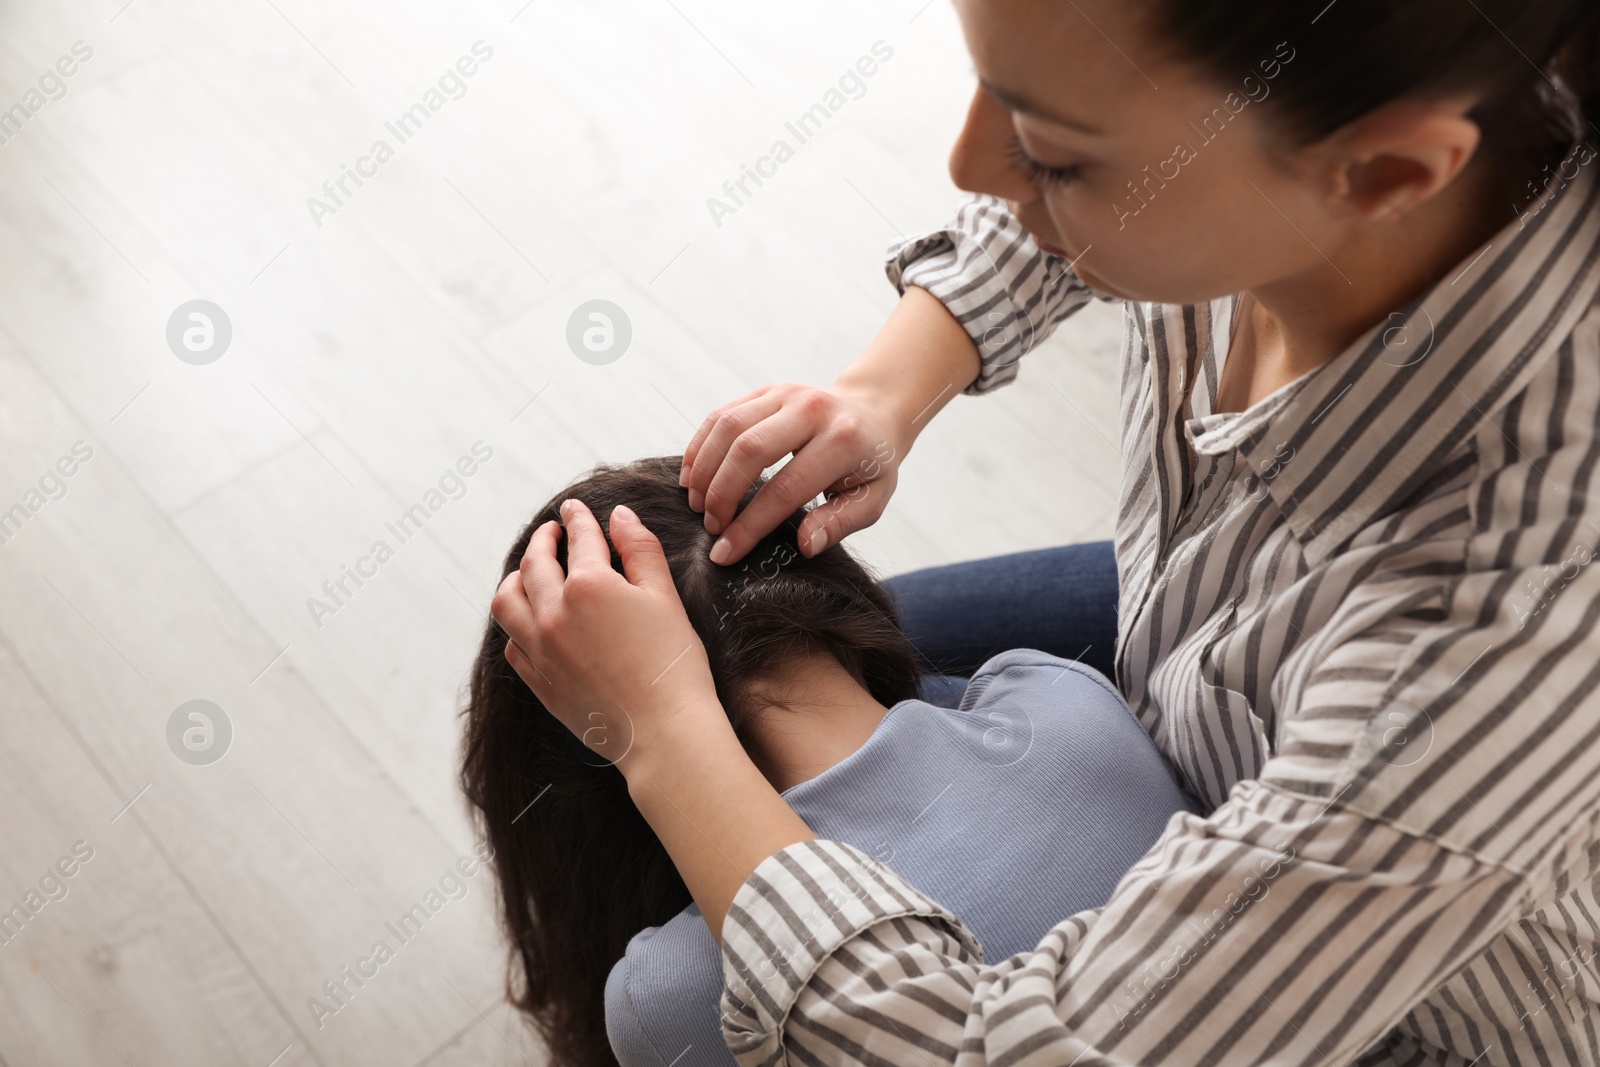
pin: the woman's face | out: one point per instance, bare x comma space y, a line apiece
1162, 185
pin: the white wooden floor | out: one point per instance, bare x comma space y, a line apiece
371, 348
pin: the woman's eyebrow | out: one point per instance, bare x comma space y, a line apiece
1022, 107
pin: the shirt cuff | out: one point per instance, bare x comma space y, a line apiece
799, 906
987, 270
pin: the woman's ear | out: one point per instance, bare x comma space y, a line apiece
1388, 162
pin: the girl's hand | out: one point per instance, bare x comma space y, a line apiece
613, 657
842, 447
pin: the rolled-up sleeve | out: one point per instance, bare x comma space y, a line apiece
987, 270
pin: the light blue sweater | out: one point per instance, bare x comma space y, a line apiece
1023, 806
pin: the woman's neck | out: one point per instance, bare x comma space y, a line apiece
1296, 324
808, 717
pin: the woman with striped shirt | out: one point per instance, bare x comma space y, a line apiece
1358, 244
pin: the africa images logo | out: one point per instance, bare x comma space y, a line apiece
451, 85
852, 85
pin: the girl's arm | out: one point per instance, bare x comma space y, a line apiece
617, 661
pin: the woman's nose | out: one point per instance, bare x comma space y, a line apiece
981, 161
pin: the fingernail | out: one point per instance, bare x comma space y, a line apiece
713, 525
683, 476
697, 500
625, 511
819, 541
721, 551
566, 506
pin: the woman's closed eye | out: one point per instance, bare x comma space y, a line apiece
1041, 174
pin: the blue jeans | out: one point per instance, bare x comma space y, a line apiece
1058, 600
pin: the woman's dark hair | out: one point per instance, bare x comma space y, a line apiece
579, 870
1536, 63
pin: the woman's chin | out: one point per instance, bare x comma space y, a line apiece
1100, 284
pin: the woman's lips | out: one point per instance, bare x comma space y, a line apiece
1051, 249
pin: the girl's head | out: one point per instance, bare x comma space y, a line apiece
579, 870
1191, 149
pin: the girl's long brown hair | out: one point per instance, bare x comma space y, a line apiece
579, 870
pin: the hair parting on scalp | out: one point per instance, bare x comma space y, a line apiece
579, 870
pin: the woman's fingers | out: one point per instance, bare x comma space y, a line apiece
851, 505
837, 444
712, 456
693, 449
812, 470
792, 429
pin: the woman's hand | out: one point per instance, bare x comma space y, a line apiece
612, 656
847, 441
841, 445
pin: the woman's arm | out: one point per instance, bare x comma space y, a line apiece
847, 440
976, 296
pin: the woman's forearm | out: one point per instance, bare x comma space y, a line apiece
918, 362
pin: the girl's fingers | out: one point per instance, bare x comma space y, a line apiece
540, 574
693, 448
586, 544
712, 455
644, 562
512, 610
520, 662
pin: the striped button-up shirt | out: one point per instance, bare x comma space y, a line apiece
1359, 620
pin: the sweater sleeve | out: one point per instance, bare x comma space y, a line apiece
628, 1041
987, 270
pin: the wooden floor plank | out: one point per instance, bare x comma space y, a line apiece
75, 975
299, 841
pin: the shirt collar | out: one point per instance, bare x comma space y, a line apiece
1365, 430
